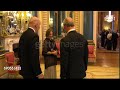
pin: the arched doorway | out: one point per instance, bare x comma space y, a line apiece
107, 58
105, 25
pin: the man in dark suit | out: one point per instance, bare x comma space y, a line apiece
74, 53
29, 51
114, 40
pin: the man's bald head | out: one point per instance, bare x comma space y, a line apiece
68, 22
34, 23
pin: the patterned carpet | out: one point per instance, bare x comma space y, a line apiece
93, 72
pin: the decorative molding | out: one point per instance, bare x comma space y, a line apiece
67, 13
8, 42
44, 18
45, 23
76, 17
81, 22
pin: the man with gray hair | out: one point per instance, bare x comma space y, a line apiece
29, 51
74, 52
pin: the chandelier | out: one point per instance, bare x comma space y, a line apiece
109, 18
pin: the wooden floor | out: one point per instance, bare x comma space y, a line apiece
107, 58
104, 58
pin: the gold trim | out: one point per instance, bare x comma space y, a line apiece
81, 22
45, 23
76, 18
10, 36
2, 56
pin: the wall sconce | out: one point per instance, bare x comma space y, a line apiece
51, 22
62, 25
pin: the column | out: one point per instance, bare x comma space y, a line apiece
67, 13
71, 14
45, 23
95, 29
40, 31
59, 22
34, 13
44, 18
116, 25
119, 21
102, 20
63, 15
52, 16
88, 25
99, 21
76, 18
81, 22
55, 23
113, 25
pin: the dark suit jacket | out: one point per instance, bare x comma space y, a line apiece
74, 56
29, 54
114, 37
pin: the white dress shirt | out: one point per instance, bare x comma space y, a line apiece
70, 30
32, 29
